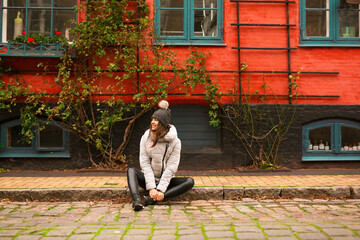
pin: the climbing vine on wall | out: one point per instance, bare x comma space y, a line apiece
119, 73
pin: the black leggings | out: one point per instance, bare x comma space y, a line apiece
177, 186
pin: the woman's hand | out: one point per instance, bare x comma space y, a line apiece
160, 196
153, 193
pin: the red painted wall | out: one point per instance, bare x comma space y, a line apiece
346, 61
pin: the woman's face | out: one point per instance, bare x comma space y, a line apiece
154, 124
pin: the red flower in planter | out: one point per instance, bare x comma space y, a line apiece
29, 40
23, 33
58, 33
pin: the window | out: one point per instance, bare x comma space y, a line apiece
51, 141
189, 21
330, 22
194, 131
36, 17
331, 140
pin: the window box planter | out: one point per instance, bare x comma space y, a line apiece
32, 49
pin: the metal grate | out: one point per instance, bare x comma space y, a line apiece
288, 49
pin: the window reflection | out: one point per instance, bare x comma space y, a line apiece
349, 20
172, 22
14, 138
350, 139
320, 139
317, 23
317, 18
51, 137
205, 23
316, 3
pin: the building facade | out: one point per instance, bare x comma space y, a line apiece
275, 39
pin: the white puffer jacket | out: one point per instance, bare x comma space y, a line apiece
151, 159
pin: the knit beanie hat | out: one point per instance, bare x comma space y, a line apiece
163, 114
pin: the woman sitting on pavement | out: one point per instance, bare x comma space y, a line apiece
159, 160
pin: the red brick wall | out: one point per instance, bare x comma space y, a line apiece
346, 61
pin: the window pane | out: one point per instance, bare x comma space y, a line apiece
344, 5
14, 27
16, 3
39, 21
39, 3
172, 23
320, 139
350, 139
51, 137
317, 3
172, 3
14, 138
349, 24
205, 4
205, 23
317, 23
64, 3
62, 22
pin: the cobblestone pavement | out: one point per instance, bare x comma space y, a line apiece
244, 219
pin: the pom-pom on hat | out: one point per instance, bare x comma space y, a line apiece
163, 114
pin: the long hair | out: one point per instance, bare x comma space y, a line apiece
160, 132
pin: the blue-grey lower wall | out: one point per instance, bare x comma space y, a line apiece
227, 155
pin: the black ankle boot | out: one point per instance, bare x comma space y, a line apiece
149, 201
137, 204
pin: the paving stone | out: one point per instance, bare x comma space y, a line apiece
135, 237
203, 193
310, 192
86, 230
278, 232
328, 225
355, 191
219, 234
164, 231
189, 237
304, 229
53, 238
250, 235
338, 232
28, 237
107, 237
164, 237
282, 238
247, 229
312, 236
345, 238
233, 193
262, 192
189, 231
273, 226
112, 231
215, 227
81, 237
353, 226
61, 232
8, 233
138, 232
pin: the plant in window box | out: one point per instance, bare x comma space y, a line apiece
32, 39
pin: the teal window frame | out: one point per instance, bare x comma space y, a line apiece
334, 38
37, 50
335, 153
189, 38
34, 150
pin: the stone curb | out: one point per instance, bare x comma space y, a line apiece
200, 193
